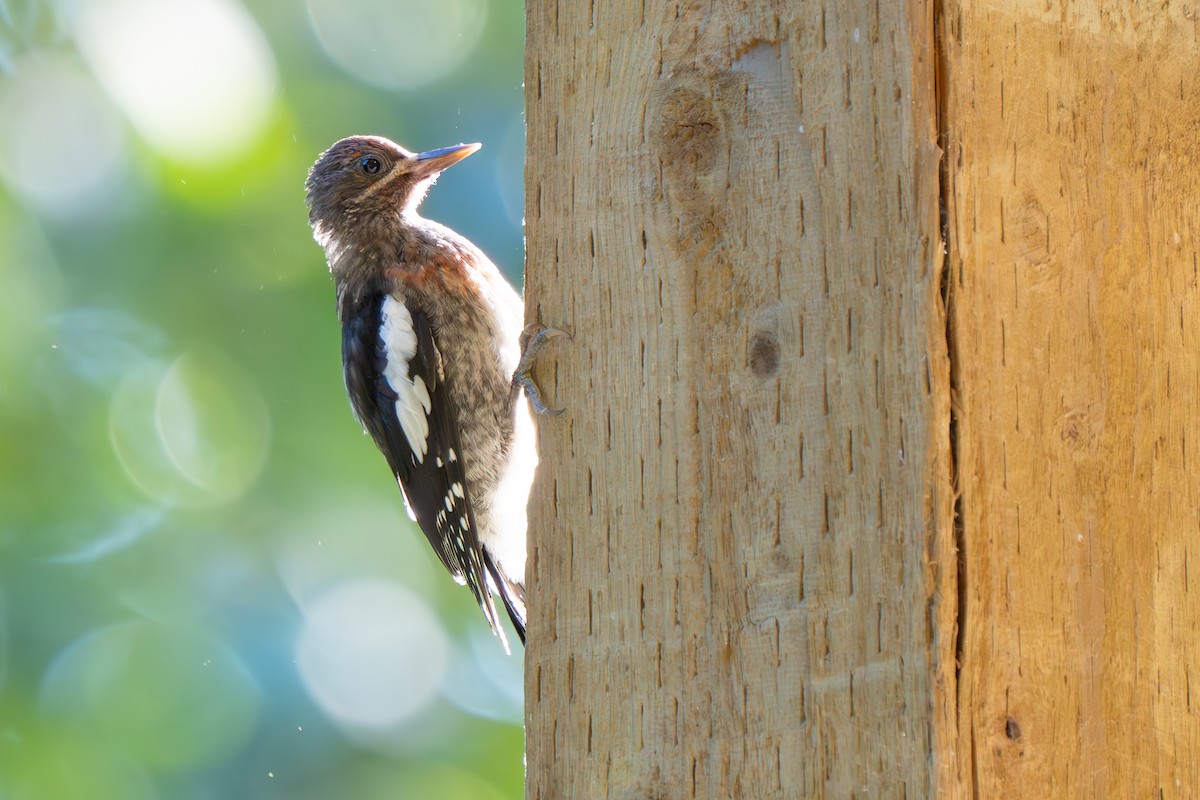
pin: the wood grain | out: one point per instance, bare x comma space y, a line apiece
742, 556
1074, 151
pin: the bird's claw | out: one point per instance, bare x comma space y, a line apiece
533, 340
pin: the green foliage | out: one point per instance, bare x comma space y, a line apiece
208, 585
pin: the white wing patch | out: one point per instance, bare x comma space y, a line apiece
412, 396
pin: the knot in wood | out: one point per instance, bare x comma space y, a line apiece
690, 130
764, 354
1012, 729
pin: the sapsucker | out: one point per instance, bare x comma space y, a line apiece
435, 360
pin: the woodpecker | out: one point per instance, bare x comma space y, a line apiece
435, 360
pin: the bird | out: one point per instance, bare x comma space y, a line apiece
435, 359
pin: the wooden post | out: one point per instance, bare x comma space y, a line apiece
751, 575
1074, 157
742, 566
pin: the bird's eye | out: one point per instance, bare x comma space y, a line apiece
369, 165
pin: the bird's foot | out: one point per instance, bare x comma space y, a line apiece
534, 339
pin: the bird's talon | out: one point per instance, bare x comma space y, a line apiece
536, 402
533, 340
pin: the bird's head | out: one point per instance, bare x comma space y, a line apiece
368, 175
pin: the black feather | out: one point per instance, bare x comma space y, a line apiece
447, 519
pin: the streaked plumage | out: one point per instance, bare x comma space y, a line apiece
431, 339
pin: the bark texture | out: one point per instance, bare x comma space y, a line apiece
742, 556
1074, 167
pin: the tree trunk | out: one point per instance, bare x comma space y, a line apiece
742, 552
1075, 163
750, 573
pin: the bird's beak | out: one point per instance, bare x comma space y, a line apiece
432, 162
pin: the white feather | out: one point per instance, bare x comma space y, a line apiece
505, 538
413, 403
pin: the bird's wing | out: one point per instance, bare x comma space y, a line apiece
394, 377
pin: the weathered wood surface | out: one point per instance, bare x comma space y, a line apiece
742, 557
1074, 163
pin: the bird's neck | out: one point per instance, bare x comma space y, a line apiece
374, 254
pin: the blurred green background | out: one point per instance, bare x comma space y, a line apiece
208, 584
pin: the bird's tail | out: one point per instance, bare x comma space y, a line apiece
511, 593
